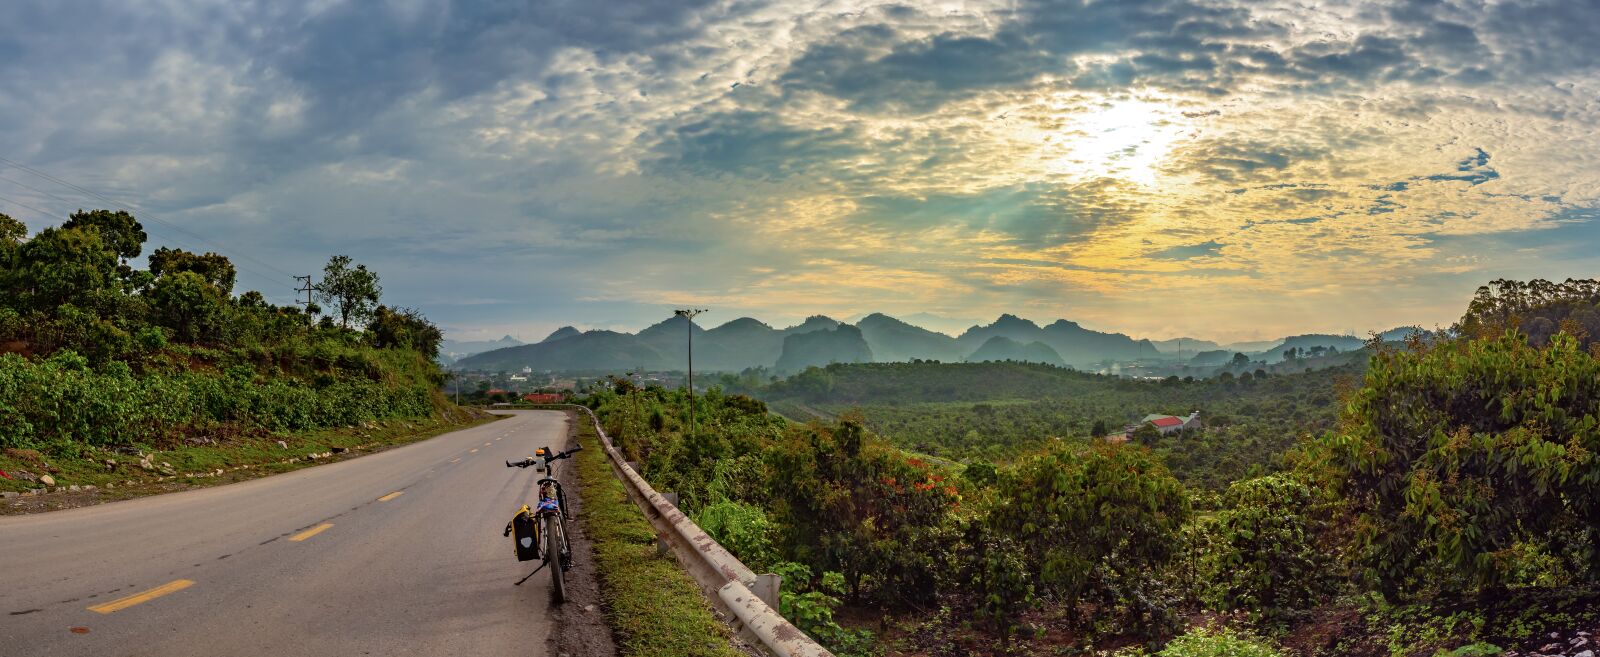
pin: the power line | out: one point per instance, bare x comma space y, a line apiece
25, 205
51, 215
130, 206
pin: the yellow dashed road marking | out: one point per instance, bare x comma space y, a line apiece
474, 451
391, 496
311, 532
123, 603
455, 460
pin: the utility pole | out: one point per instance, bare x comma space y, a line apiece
689, 314
308, 289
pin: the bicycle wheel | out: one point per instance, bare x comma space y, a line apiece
553, 539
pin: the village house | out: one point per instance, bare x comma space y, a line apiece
1169, 423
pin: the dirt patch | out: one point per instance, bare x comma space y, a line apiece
580, 628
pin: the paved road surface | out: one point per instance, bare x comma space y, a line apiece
408, 561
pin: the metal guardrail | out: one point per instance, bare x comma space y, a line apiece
725, 581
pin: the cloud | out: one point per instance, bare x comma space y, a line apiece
1066, 156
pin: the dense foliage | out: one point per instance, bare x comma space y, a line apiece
1462, 457
96, 352
1251, 420
1461, 466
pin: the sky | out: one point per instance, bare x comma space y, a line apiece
1226, 170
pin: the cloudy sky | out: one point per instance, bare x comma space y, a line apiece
1219, 169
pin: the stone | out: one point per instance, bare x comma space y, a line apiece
36, 491
219, 472
26, 476
8, 494
47, 480
111, 464
73, 488
146, 464
337, 450
1586, 653
283, 445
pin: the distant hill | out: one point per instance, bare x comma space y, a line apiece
1073, 343
561, 334
1307, 342
893, 340
1213, 357
1188, 346
744, 343
1001, 348
453, 350
591, 351
843, 344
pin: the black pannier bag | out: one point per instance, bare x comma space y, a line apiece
526, 530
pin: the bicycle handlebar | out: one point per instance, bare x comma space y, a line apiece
547, 459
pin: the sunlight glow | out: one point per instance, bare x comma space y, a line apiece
1125, 139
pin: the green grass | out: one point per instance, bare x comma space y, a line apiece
654, 607
194, 466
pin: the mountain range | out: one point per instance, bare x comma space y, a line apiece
746, 343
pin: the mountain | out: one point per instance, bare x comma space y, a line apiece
588, 351
1006, 326
843, 344
1001, 348
560, 334
670, 338
1252, 347
1309, 341
1071, 342
453, 350
744, 342
893, 340
1184, 347
813, 323
1213, 357
1076, 344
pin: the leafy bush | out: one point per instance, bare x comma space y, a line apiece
1201, 642
1261, 549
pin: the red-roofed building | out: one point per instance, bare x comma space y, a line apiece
542, 398
1169, 423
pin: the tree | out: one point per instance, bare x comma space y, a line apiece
1239, 360
1262, 552
188, 304
213, 268
120, 231
1095, 521
1455, 453
404, 328
353, 291
63, 266
12, 232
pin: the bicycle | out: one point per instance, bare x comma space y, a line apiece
541, 532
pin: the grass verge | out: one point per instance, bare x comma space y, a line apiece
654, 608
105, 475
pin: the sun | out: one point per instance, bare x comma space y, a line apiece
1124, 138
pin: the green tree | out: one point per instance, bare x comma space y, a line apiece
188, 304
63, 266
1262, 552
404, 328
1455, 453
353, 291
215, 269
12, 232
119, 230
1096, 521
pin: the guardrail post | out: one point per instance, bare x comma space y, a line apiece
766, 588
633, 465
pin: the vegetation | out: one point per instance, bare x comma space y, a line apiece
1441, 499
654, 608
96, 355
997, 411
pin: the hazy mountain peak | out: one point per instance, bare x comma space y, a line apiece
559, 334
743, 324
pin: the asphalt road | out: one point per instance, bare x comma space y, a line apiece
398, 553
